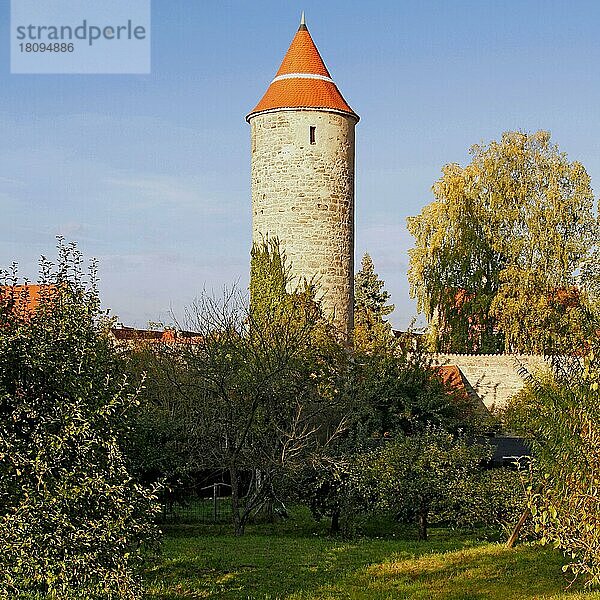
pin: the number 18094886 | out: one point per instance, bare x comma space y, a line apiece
50, 47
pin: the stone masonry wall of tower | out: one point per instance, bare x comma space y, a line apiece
303, 194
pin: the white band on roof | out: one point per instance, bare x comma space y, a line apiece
302, 76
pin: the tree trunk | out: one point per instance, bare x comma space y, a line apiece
335, 521
268, 508
238, 523
514, 536
270, 511
423, 524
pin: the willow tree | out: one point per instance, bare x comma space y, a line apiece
501, 244
590, 274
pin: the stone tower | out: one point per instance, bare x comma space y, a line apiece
302, 134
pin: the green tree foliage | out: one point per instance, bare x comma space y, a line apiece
494, 499
560, 415
72, 522
163, 444
277, 300
371, 330
399, 391
417, 476
431, 477
270, 276
393, 392
504, 236
590, 276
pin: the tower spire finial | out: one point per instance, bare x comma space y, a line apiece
302, 22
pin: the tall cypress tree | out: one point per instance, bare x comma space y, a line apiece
370, 308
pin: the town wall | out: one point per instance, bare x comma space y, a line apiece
495, 378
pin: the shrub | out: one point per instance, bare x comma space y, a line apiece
72, 522
560, 415
420, 476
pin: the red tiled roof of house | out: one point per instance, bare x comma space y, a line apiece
452, 376
130, 334
302, 81
25, 296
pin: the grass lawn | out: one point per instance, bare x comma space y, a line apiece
296, 560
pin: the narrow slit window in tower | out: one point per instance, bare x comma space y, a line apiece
312, 131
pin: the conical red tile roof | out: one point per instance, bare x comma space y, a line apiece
302, 81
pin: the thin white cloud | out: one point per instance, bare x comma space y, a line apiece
154, 190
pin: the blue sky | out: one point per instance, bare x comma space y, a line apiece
151, 173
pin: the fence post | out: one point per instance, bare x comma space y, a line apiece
215, 502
